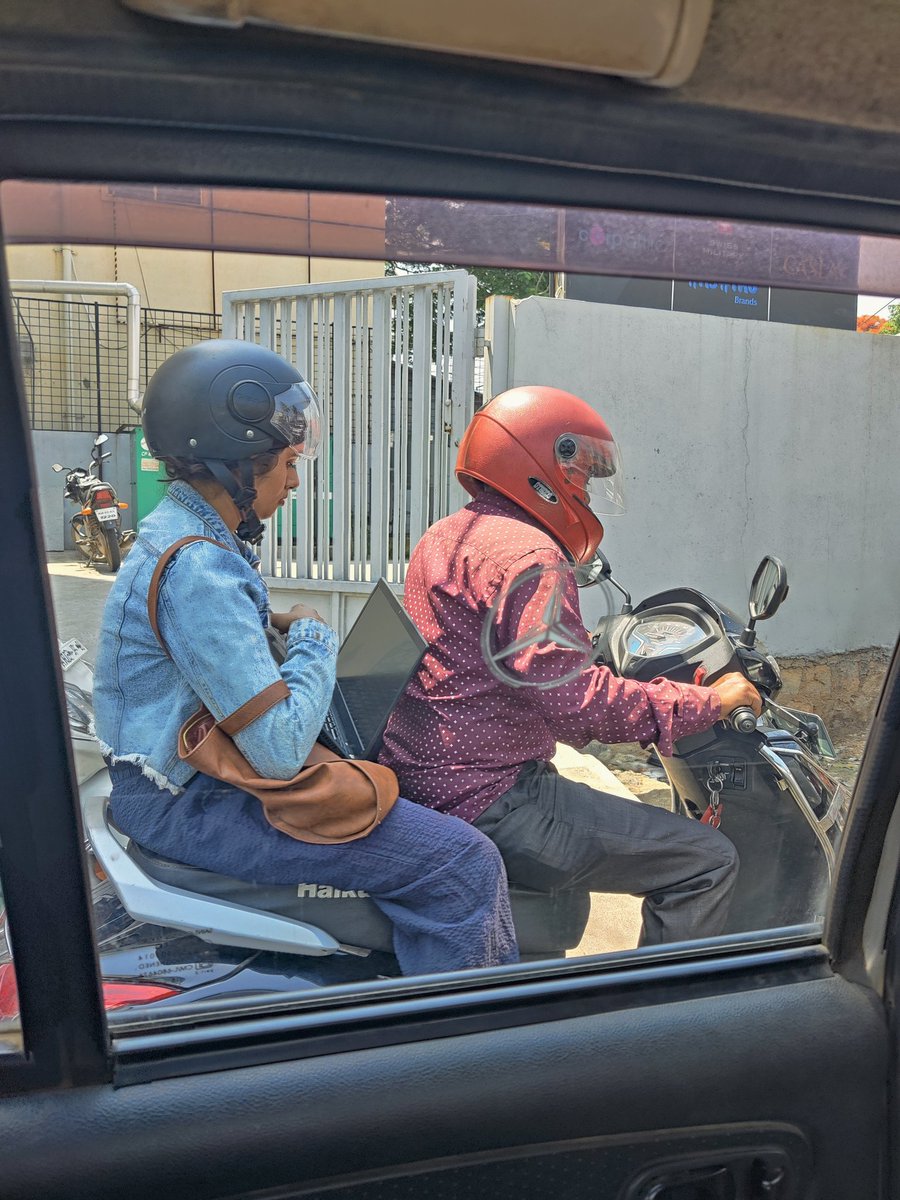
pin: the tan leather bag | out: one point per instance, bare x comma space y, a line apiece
330, 799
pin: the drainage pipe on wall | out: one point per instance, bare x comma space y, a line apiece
132, 319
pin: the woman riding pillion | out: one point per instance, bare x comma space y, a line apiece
229, 420
541, 466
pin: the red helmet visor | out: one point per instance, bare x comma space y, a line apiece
593, 468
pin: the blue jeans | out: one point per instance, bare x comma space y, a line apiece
441, 883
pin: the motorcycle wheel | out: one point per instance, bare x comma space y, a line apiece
83, 538
110, 549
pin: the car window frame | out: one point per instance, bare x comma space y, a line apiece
68, 1037
57, 971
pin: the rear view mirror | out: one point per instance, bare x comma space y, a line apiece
101, 438
57, 467
593, 571
768, 589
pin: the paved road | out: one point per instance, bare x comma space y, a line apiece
79, 594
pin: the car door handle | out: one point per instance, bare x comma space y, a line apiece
699, 1183
744, 1178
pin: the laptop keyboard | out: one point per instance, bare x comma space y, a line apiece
333, 733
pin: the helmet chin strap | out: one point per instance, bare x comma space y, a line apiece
250, 529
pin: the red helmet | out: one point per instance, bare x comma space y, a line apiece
551, 454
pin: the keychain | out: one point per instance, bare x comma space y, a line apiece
714, 784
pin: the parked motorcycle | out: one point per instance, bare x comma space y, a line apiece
97, 523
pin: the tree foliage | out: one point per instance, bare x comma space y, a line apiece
871, 324
492, 281
878, 324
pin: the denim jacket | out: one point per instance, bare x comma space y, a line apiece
212, 611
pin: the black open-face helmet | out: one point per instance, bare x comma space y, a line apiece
227, 401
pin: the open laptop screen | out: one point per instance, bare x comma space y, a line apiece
375, 663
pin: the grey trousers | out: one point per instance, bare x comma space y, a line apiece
555, 834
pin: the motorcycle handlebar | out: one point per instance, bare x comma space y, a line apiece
743, 719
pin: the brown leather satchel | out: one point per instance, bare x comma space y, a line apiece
330, 799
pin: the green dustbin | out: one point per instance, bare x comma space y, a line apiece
150, 478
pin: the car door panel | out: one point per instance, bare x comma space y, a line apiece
642, 1082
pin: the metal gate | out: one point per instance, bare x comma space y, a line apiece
392, 363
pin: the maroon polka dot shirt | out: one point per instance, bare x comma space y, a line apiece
459, 736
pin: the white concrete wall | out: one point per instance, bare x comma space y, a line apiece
739, 438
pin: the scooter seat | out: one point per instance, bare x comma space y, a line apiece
546, 923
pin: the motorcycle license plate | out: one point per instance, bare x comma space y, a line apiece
106, 514
70, 652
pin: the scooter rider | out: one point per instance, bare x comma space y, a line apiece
229, 419
541, 467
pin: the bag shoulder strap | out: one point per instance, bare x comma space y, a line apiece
155, 580
256, 705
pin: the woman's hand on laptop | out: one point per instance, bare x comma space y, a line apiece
283, 621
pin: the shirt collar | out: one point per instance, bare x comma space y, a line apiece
182, 493
496, 504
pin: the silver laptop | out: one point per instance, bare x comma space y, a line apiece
376, 661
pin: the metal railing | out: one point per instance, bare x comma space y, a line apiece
392, 362
74, 356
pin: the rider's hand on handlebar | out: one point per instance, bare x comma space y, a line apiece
736, 691
283, 621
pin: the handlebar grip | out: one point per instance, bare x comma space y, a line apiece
743, 719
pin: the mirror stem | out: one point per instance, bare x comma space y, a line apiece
626, 607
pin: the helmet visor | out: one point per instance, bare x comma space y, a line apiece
298, 419
593, 468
